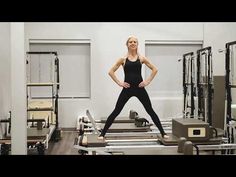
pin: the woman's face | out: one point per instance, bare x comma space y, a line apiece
132, 43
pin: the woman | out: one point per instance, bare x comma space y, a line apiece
133, 84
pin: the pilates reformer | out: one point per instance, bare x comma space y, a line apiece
202, 138
189, 85
84, 122
39, 104
42, 114
205, 84
120, 131
230, 85
198, 85
128, 125
37, 137
149, 148
124, 129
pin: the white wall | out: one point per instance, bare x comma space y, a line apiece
5, 74
18, 90
217, 35
12, 87
107, 45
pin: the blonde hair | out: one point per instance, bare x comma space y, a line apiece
128, 42
130, 38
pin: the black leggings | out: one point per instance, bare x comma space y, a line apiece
143, 97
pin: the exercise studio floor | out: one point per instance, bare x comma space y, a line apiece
64, 146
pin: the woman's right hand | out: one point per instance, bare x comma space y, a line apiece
124, 84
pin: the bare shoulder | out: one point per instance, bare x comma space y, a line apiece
121, 61
143, 59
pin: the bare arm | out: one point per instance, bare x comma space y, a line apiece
113, 76
153, 74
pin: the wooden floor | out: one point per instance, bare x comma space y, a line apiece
64, 146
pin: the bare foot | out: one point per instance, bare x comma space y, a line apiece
166, 136
101, 138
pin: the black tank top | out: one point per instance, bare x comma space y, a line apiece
132, 70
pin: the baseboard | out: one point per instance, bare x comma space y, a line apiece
68, 128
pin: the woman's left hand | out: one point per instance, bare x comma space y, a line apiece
143, 84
